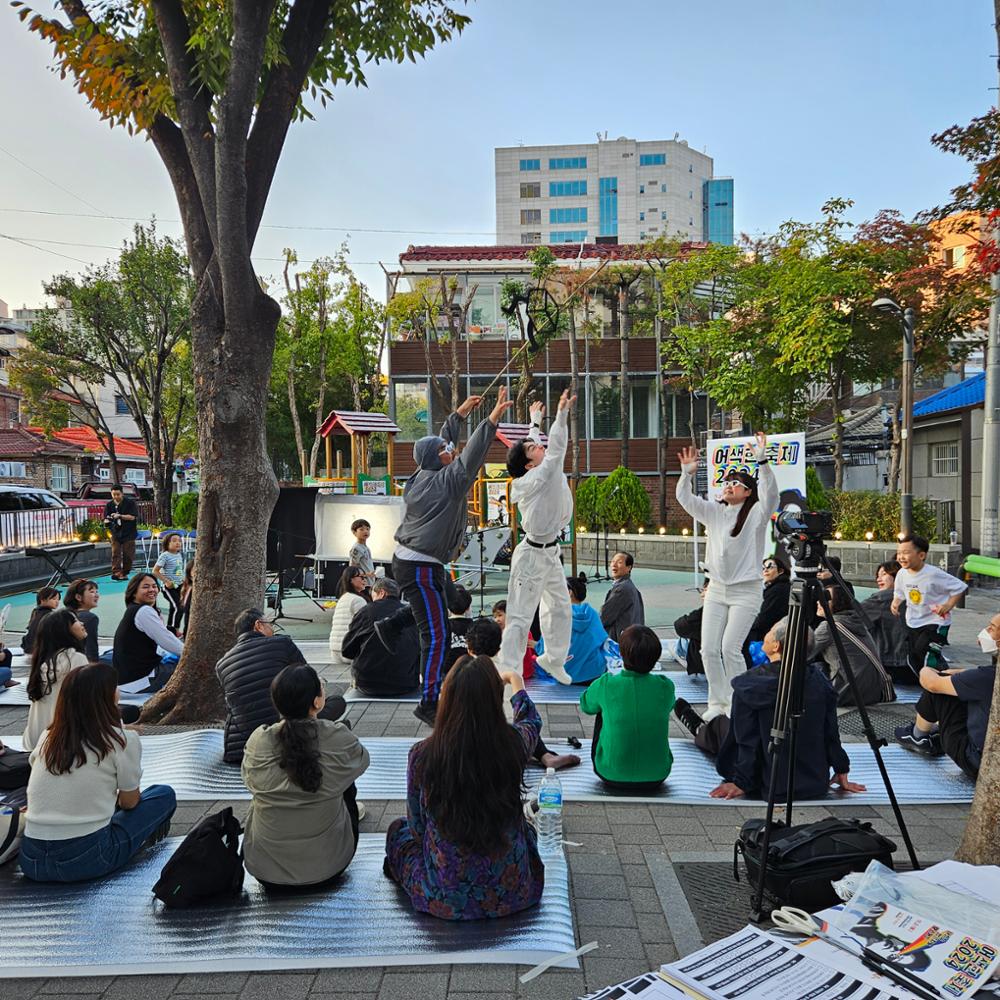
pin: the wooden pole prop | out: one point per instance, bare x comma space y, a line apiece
329, 457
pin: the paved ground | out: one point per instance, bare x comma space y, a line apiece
625, 889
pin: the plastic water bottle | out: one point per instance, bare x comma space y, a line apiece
549, 819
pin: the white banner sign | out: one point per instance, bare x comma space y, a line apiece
787, 455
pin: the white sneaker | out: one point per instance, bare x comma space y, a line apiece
556, 671
362, 811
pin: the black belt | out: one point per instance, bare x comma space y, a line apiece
541, 545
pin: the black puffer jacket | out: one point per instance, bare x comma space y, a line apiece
377, 672
245, 673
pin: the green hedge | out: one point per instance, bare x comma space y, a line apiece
620, 498
185, 510
857, 512
92, 526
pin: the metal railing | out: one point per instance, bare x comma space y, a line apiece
24, 528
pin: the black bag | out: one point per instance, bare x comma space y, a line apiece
14, 770
802, 861
208, 863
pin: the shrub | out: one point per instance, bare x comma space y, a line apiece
184, 508
587, 497
816, 495
92, 526
861, 511
623, 500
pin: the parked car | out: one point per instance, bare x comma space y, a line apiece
31, 516
95, 495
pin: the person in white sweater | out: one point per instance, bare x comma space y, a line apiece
737, 527
351, 598
545, 503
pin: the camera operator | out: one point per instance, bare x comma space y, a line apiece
122, 519
737, 535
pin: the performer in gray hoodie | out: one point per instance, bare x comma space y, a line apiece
432, 532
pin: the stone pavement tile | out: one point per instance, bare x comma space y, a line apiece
605, 913
631, 854
347, 982
595, 843
672, 823
144, 987
68, 996
625, 814
490, 978
287, 985
554, 984
677, 844
452, 995
631, 833
599, 887
586, 824
75, 984
212, 982
413, 985
22, 989
195, 996
601, 970
622, 942
645, 901
658, 954
653, 929
593, 863
637, 876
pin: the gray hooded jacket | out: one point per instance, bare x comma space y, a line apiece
435, 515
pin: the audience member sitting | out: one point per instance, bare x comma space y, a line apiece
774, 607
483, 639
742, 741
86, 816
81, 598
587, 660
689, 627
874, 684
630, 749
460, 853
530, 661
623, 603
246, 673
351, 598
45, 600
377, 673
139, 633
58, 650
459, 601
302, 826
6, 674
888, 630
954, 709
827, 577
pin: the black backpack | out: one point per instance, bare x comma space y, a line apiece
14, 770
208, 863
802, 861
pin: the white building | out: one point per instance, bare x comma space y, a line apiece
610, 191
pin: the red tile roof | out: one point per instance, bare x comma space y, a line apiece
352, 422
510, 434
562, 251
87, 439
19, 442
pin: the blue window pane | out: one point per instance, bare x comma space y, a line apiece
568, 163
608, 205
642, 216
717, 211
568, 236
560, 216
567, 189
663, 188
652, 159
531, 164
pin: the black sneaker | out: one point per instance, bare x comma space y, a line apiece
387, 632
158, 834
687, 716
926, 745
426, 712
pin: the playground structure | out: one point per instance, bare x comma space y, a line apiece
359, 427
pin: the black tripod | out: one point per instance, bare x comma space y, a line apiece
279, 595
808, 591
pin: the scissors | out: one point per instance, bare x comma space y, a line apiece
791, 918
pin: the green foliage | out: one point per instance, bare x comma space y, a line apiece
185, 510
90, 527
623, 501
857, 512
816, 495
587, 499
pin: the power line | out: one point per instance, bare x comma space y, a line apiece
55, 184
55, 253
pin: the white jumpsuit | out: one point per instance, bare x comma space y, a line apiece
537, 576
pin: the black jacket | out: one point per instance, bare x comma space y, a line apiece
38, 612
377, 672
888, 630
743, 757
689, 627
245, 673
773, 608
90, 623
123, 531
622, 607
874, 684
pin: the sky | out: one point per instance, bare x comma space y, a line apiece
798, 100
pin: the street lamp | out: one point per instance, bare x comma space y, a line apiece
907, 318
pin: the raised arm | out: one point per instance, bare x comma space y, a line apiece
767, 484
698, 507
465, 469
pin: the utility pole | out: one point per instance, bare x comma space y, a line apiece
989, 537
906, 495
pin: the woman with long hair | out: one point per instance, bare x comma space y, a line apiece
465, 850
352, 596
140, 632
302, 827
86, 816
737, 535
81, 597
777, 576
888, 630
184, 603
58, 650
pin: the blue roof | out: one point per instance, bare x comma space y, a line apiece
969, 392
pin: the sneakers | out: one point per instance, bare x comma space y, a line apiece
362, 811
160, 833
687, 716
929, 745
387, 632
426, 712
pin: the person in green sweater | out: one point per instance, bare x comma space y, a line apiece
630, 750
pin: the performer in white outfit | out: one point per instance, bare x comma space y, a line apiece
545, 503
737, 538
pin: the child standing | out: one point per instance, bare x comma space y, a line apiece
528, 659
630, 749
169, 570
45, 600
929, 594
360, 555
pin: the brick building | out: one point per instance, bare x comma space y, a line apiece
28, 459
487, 344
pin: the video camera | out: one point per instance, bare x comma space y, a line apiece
812, 524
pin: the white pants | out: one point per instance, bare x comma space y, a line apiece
537, 577
729, 612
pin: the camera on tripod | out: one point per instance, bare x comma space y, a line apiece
802, 533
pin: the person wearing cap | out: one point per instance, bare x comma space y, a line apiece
431, 534
537, 579
737, 536
246, 673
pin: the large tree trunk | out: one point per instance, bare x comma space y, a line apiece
237, 495
981, 841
